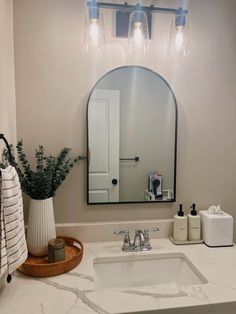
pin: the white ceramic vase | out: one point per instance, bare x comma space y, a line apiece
41, 226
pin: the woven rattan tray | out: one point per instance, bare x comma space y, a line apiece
40, 267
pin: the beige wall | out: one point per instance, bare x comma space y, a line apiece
54, 77
7, 79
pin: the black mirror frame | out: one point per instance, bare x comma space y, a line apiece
175, 149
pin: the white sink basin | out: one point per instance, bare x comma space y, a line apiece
151, 270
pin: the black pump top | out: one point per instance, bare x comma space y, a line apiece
180, 212
193, 211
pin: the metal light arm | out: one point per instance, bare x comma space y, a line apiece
130, 8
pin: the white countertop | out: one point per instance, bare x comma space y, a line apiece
74, 292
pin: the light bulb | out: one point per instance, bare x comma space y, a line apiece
179, 38
94, 36
138, 35
94, 30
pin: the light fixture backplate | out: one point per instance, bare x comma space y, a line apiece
122, 23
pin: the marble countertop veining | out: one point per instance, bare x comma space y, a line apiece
74, 292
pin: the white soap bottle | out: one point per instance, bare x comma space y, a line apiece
180, 225
194, 225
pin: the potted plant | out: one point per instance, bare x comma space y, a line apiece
41, 185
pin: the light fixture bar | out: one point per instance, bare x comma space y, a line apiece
124, 12
129, 7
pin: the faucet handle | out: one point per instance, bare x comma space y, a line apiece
127, 243
121, 232
151, 230
146, 237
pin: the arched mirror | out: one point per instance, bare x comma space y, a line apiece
132, 137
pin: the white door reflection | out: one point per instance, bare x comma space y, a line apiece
104, 130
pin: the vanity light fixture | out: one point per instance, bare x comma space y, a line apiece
179, 26
94, 36
138, 30
134, 22
179, 36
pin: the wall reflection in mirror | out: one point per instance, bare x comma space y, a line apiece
132, 123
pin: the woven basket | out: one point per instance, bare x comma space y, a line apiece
40, 267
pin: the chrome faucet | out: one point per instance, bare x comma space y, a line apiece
141, 240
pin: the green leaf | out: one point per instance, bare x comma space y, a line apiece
50, 171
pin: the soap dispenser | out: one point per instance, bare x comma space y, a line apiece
194, 225
180, 225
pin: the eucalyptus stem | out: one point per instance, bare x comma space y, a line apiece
49, 174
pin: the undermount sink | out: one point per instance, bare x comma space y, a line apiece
152, 270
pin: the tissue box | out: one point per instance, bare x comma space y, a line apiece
217, 229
